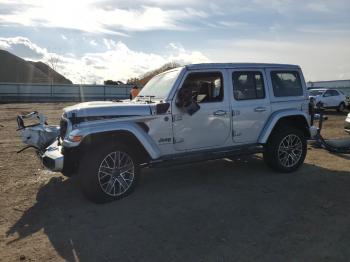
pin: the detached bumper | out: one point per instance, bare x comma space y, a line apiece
52, 159
347, 124
313, 131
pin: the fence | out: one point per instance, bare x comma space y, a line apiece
11, 92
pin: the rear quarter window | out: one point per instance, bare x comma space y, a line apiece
286, 83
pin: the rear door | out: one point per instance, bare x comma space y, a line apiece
328, 99
336, 98
250, 104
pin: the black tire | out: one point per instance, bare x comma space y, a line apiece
67, 173
341, 107
275, 154
93, 180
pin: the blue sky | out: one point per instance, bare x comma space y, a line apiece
98, 40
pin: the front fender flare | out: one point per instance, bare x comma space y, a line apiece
131, 127
273, 120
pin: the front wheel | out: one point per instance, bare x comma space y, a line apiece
108, 173
286, 150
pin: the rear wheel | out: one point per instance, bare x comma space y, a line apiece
109, 173
286, 149
341, 107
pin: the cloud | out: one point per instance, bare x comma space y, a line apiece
91, 17
320, 60
23, 47
93, 43
119, 62
124, 18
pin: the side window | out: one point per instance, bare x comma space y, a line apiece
286, 83
334, 93
327, 93
205, 87
248, 85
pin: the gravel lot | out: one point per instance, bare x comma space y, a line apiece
224, 210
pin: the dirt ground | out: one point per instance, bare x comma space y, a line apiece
220, 210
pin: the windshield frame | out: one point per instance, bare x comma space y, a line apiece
169, 89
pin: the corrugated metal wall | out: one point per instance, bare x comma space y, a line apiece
10, 92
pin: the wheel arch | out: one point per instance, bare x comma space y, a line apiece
294, 118
131, 134
115, 137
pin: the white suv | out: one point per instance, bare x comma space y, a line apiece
328, 98
192, 113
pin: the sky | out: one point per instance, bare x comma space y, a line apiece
96, 40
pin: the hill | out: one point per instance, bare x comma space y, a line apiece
14, 69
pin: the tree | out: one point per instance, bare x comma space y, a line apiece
112, 82
147, 76
53, 62
133, 81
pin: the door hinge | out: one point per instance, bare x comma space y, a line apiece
236, 133
177, 117
236, 112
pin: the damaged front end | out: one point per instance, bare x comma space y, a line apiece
42, 137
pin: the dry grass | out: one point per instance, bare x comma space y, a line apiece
213, 211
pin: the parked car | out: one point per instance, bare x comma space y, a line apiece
329, 98
192, 113
347, 124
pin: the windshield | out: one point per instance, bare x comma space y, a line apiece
160, 85
316, 92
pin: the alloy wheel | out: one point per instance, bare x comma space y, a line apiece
290, 150
116, 173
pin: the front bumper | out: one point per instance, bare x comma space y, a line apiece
53, 159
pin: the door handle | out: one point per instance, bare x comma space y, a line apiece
220, 113
260, 109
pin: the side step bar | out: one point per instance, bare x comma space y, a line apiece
204, 155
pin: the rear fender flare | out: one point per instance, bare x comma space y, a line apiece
275, 117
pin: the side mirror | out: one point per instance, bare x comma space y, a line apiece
185, 100
192, 108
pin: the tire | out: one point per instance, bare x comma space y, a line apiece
102, 183
341, 107
67, 173
279, 156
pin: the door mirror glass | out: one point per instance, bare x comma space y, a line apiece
192, 108
185, 100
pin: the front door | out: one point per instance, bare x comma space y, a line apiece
250, 105
210, 125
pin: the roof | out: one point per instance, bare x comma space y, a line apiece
322, 88
330, 81
239, 65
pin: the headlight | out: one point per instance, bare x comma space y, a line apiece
75, 138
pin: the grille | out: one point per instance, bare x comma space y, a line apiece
63, 127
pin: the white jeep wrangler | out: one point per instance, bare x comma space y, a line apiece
192, 113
